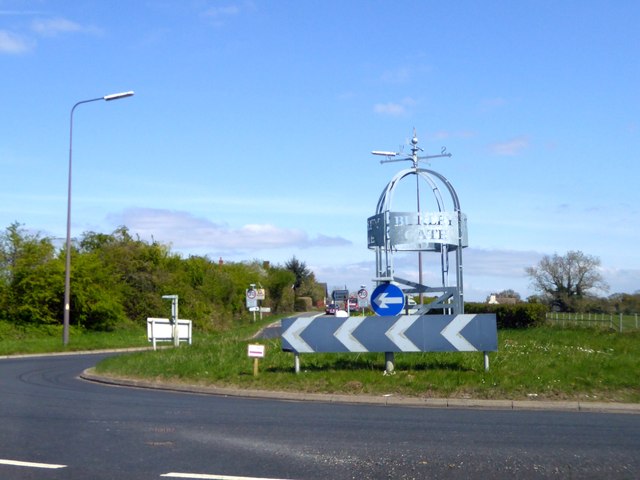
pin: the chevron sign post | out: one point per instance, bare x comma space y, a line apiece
399, 333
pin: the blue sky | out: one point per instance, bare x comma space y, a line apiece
250, 132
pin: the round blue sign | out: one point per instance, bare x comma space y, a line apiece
387, 299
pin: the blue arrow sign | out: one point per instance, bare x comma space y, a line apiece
399, 333
387, 299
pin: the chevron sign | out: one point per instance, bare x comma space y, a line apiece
399, 333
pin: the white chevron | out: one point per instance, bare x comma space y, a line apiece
397, 336
292, 334
452, 333
345, 334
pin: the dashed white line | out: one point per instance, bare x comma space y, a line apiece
18, 463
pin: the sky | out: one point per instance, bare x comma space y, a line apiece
250, 133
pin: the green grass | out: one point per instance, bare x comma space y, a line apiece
539, 363
15, 339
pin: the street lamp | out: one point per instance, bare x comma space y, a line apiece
67, 271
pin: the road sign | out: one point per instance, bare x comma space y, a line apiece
387, 299
399, 333
163, 330
363, 298
340, 295
251, 293
252, 303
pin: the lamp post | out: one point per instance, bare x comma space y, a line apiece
67, 271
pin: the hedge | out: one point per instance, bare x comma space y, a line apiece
520, 315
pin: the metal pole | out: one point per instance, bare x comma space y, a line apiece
174, 314
67, 270
414, 158
67, 267
389, 363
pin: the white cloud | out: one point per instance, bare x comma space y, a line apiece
217, 15
399, 75
54, 26
492, 103
394, 109
14, 44
511, 147
225, 11
622, 280
184, 231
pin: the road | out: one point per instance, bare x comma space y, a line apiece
50, 418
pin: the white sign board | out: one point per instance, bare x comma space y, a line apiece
161, 330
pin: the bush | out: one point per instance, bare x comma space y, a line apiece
303, 304
520, 315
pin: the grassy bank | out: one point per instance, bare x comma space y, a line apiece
540, 363
16, 339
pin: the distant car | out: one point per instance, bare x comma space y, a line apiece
353, 304
331, 309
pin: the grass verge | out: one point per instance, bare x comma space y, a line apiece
539, 363
16, 339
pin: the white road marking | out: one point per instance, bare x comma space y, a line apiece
18, 463
212, 477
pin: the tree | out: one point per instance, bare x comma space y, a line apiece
278, 284
30, 278
299, 269
564, 281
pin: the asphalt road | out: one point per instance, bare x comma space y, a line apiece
50, 418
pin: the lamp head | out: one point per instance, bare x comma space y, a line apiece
116, 96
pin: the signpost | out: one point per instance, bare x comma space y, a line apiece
439, 325
251, 295
162, 330
363, 298
174, 318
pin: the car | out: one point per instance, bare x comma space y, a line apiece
353, 303
331, 309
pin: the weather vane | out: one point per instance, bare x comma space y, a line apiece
414, 157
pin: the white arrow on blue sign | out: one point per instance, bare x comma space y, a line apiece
387, 299
399, 333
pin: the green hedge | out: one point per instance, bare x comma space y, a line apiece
520, 315
303, 304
